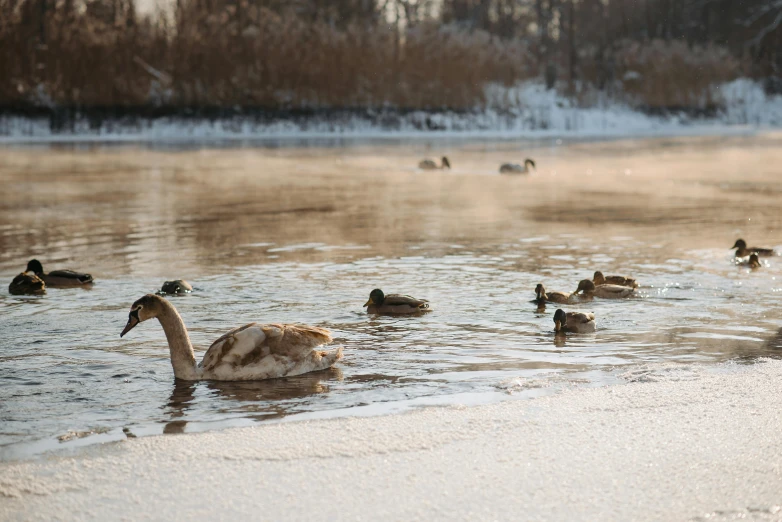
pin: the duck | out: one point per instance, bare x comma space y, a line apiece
247, 353
588, 289
27, 284
176, 287
58, 278
753, 261
543, 297
515, 168
574, 322
394, 304
742, 251
429, 164
600, 279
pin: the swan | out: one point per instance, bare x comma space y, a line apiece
543, 297
379, 303
250, 352
742, 251
576, 322
58, 278
176, 287
600, 279
589, 289
515, 168
429, 164
26, 283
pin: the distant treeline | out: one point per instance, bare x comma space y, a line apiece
407, 54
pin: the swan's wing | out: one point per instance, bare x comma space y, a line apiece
251, 342
397, 299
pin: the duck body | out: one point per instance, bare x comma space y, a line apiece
589, 289
176, 287
600, 279
743, 251
250, 352
27, 284
751, 262
515, 168
574, 322
59, 278
429, 164
394, 304
543, 296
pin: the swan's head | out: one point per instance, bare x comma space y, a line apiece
540, 291
145, 308
586, 286
740, 244
560, 320
34, 266
599, 278
446, 163
528, 162
376, 297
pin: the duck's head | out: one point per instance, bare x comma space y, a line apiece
179, 286
528, 162
34, 266
148, 307
586, 286
446, 163
560, 320
599, 278
740, 244
376, 297
540, 291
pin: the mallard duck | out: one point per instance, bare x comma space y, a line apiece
543, 297
429, 164
27, 284
588, 289
176, 287
742, 251
58, 278
600, 279
576, 322
379, 303
247, 353
515, 168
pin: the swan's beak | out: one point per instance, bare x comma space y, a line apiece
370, 302
132, 321
557, 326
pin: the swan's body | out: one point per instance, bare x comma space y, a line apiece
742, 251
394, 304
600, 279
429, 164
58, 278
575, 322
176, 287
515, 168
589, 289
27, 284
250, 352
542, 296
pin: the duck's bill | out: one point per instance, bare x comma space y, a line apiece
132, 322
370, 302
557, 326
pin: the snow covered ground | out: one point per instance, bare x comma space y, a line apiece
528, 110
676, 442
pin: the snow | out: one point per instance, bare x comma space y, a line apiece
673, 443
527, 110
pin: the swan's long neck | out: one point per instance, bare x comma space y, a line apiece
182, 357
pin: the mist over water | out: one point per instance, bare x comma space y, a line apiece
302, 233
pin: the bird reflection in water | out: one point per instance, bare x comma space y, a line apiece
271, 397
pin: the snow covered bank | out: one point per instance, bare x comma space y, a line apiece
528, 110
675, 443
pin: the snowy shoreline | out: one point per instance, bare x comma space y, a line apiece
675, 442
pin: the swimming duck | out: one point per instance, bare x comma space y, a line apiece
600, 279
27, 284
429, 164
176, 287
58, 278
575, 322
250, 352
379, 303
753, 261
742, 251
543, 297
588, 288
515, 168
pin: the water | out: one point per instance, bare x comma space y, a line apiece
302, 233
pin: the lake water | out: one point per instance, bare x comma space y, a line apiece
301, 232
